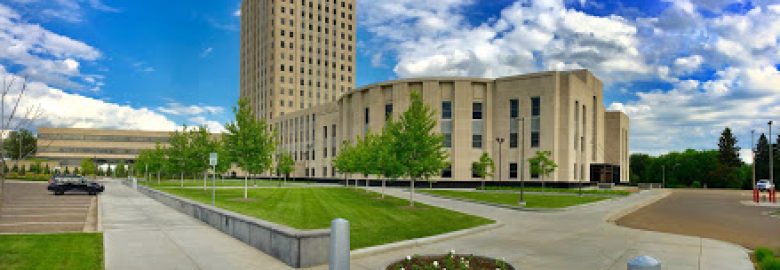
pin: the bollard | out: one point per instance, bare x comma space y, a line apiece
135, 183
339, 244
644, 263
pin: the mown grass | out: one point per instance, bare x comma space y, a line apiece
612, 192
373, 220
220, 183
766, 259
69, 251
511, 199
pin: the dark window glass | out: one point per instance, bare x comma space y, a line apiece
388, 110
446, 110
447, 172
513, 140
512, 170
476, 141
476, 111
514, 108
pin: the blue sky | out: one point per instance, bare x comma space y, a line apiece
683, 70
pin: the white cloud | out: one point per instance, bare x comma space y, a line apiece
45, 55
62, 109
212, 126
71, 11
175, 108
206, 52
431, 38
237, 13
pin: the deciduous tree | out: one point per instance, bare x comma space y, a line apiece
483, 167
249, 142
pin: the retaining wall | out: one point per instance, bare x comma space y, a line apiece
297, 248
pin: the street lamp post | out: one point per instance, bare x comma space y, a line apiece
753, 165
771, 158
500, 141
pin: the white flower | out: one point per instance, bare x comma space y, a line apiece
452, 251
408, 258
435, 264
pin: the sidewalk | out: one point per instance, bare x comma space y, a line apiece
140, 233
572, 239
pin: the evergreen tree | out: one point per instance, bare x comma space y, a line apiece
67, 170
762, 158
120, 169
76, 171
22, 170
109, 172
419, 147
46, 169
725, 174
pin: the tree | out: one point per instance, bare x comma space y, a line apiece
120, 169
20, 144
14, 115
249, 142
418, 147
725, 174
108, 171
285, 165
46, 169
542, 164
199, 147
483, 167
87, 167
762, 157
388, 163
345, 161
177, 152
22, 170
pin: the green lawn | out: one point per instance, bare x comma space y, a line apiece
52, 251
220, 183
613, 192
532, 200
373, 221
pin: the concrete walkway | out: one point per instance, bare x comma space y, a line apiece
578, 238
140, 233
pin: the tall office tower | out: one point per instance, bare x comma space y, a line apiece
296, 54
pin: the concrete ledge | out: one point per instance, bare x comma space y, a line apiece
364, 252
296, 248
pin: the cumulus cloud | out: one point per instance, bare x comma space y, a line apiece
175, 108
62, 109
71, 11
737, 53
44, 55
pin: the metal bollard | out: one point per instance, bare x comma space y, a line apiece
339, 244
644, 263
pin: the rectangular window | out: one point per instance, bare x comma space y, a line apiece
476, 111
576, 124
446, 110
514, 114
476, 140
447, 172
324, 141
535, 121
512, 170
388, 111
366, 116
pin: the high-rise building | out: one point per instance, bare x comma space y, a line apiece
296, 54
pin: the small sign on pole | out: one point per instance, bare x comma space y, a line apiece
213, 159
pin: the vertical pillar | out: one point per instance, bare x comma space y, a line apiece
339, 244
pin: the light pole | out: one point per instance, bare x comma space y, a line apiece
500, 141
753, 155
771, 159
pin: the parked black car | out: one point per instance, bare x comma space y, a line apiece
61, 183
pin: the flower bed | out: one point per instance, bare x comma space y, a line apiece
450, 261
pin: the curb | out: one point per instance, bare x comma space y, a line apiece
517, 208
612, 218
99, 205
369, 251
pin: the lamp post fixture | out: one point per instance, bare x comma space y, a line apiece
500, 141
771, 159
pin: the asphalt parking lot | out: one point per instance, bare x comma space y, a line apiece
716, 214
29, 208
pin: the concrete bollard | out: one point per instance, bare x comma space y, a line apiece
135, 183
644, 263
339, 244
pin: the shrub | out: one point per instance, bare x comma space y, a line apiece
763, 253
771, 263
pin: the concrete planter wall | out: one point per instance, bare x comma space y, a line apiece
297, 248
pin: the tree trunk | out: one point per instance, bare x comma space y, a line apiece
411, 194
246, 185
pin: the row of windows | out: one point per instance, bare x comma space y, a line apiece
513, 172
102, 138
478, 123
89, 150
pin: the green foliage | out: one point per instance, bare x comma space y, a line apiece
20, 144
46, 169
763, 253
419, 148
67, 170
120, 169
762, 157
542, 164
725, 174
109, 171
177, 151
285, 164
249, 141
484, 167
22, 170
388, 162
345, 161
766, 259
15, 168
51, 251
87, 166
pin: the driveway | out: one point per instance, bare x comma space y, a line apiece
141, 233
579, 238
29, 208
717, 214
